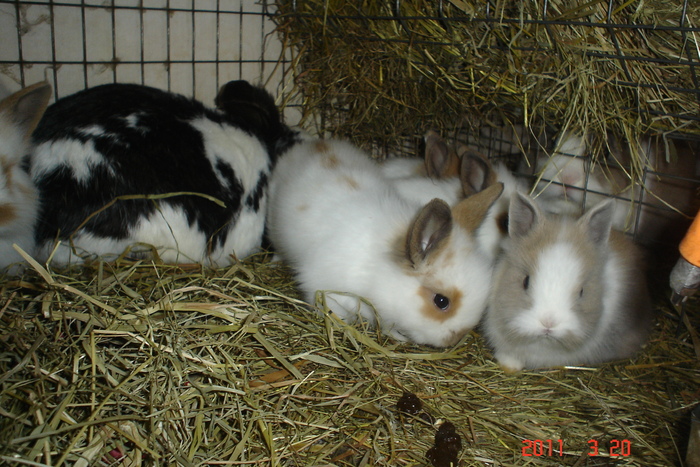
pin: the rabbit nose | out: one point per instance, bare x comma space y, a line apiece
548, 323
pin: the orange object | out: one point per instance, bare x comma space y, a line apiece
690, 245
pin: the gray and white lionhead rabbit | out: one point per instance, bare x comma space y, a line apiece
346, 230
19, 114
566, 291
99, 151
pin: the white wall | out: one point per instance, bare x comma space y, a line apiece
187, 46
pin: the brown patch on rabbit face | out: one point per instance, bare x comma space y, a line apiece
8, 214
440, 305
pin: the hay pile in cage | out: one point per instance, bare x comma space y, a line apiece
378, 72
138, 363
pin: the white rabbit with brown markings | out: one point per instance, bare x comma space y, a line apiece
19, 115
346, 231
122, 164
452, 173
566, 291
448, 172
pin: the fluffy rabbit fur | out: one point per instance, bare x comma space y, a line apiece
345, 229
494, 230
566, 291
446, 172
19, 115
566, 180
123, 140
452, 174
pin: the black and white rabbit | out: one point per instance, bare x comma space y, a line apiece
566, 291
120, 165
19, 114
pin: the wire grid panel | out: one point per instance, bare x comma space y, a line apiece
652, 64
187, 46
652, 57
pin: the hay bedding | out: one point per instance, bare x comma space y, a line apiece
380, 72
138, 363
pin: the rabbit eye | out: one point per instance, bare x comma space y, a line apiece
526, 282
441, 301
580, 294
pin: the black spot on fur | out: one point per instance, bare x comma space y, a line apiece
253, 109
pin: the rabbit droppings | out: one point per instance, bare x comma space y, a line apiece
19, 115
121, 164
346, 231
566, 291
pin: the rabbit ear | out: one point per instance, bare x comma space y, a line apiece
429, 229
523, 215
476, 173
471, 212
598, 221
25, 107
440, 161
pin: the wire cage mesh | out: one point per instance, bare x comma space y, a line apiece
187, 46
511, 80
506, 79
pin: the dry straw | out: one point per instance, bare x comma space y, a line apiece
155, 364
379, 72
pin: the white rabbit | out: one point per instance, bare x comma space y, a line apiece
442, 173
19, 115
647, 205
120, 165
566, 291
567, 179
457, 172
344, 228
